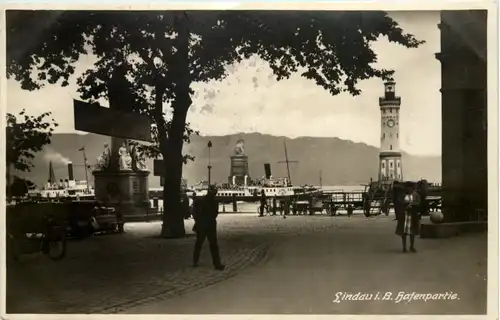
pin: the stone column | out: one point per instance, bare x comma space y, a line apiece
463, 89
119, 99
128, 191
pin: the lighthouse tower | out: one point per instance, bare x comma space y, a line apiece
390, 167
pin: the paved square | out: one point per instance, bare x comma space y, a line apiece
274, 265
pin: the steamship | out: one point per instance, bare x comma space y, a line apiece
279, 188
250, 189
68, 189
241, 187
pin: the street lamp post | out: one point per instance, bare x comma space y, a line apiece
209, 165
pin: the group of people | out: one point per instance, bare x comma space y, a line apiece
57, 186
276, 205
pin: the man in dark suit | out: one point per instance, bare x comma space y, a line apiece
185, 206
263, 202
205, 216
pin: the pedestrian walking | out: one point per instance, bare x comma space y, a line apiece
185, 206
195, 210
274, 205
263, 203
281, 207
350, 210
205, 217
409, 223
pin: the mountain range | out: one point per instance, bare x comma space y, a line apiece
339, 162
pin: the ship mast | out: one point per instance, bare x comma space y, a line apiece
320, 179
287, 163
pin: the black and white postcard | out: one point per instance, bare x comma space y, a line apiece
249, 159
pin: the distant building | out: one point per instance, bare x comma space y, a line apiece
390, 166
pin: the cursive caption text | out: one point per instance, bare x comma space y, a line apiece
398, 297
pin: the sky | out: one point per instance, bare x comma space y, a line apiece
251, 100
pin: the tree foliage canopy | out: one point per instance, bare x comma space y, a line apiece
163, 52
19, 187
25, 136
332, 46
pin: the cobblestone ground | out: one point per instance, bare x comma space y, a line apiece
297, 266
110, 273
305, 274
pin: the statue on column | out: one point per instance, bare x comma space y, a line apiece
138, 160
124, 160
239, 149
104, 158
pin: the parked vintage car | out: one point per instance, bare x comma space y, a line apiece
89, 217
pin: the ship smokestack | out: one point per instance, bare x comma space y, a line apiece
267, 170
52, 177
70, 171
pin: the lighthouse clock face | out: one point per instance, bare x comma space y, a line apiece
390, 123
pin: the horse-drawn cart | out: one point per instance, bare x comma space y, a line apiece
378, 197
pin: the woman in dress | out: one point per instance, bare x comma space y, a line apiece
408, 224
125, 158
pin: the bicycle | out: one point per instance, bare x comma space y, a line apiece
52, 237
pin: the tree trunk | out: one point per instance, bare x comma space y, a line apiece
9, 180
173, 219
